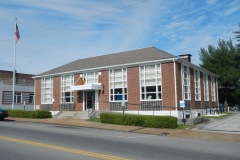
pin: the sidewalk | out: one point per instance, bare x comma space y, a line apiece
230, 124
194, 134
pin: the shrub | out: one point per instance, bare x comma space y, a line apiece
160, 122
139, 120
40, 114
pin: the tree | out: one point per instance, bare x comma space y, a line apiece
237, 33
223, 61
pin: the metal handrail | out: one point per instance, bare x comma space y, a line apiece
56, 115
91, 109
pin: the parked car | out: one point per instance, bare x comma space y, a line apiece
3, 114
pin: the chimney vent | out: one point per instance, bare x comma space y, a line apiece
186, 57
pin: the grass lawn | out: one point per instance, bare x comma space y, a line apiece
94, 119
182, 126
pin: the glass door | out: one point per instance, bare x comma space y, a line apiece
89, 100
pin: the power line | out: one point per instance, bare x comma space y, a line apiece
84, 19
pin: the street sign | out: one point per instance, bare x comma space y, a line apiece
182, 104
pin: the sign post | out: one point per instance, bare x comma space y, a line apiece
182, 105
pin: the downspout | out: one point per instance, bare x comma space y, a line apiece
175, 83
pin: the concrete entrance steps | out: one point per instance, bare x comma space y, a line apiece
66, 114
74, 114
81, 115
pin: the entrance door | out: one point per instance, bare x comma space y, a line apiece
89, 100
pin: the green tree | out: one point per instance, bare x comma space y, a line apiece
237, 33
223, 61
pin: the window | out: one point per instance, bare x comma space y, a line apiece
186, 83
205, 84
31, 98
213, 89
47, 90
118, 84
91, 77
17, 98
66, 93
197, 85
151, 82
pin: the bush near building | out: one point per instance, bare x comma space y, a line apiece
40, 114
139, 120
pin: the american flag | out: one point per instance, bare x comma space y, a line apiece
17, 33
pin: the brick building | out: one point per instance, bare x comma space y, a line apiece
145, 81
23, 93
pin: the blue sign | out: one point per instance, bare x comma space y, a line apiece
182, 104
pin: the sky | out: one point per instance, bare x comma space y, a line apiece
56, 32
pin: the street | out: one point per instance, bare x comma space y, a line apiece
24, 140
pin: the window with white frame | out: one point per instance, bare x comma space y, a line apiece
118, 84
186, 83
213, 89
91, 77
17, 98
197, 85
66, 93
151, 82
47, 90
206, 90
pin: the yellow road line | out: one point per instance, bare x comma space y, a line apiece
82, 152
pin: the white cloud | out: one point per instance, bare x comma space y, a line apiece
232, 7
176, 27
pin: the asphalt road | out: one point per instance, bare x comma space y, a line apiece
27, 141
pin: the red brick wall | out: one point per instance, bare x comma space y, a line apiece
210, 90
192, 88
57, 92
78, 100
168, 89
38, 92
78, 95
216, 91
133, 88
7, 76
179, 83
104, 94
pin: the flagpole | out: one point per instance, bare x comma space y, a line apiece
14, 67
